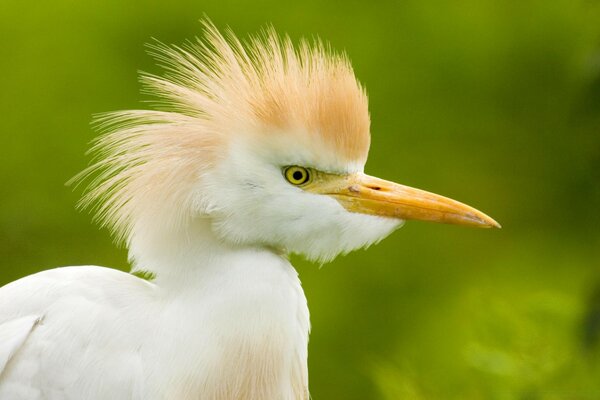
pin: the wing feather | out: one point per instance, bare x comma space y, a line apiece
12, 336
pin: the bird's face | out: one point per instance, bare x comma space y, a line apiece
303, 197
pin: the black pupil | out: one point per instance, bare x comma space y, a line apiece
298, 175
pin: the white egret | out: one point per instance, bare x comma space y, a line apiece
256, 151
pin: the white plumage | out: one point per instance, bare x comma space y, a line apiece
258, 152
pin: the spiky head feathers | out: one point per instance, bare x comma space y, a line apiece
215, 93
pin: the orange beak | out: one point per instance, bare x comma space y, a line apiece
369, 195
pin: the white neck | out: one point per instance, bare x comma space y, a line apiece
181, 256
245, 301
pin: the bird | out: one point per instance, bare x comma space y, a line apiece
254, 149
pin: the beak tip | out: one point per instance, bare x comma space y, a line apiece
491, 223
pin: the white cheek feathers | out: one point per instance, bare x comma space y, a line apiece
343, 232
316, 233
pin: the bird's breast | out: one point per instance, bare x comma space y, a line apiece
243, 336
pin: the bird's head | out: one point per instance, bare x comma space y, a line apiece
265, 142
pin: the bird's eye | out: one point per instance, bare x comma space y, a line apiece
296, 175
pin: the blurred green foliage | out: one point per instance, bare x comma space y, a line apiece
496, 103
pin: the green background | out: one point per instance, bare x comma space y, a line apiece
495, 103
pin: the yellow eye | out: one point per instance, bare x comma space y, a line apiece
296, 175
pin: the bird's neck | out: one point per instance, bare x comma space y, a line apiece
183, 256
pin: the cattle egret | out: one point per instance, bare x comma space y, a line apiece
255, 150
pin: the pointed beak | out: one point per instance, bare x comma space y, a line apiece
369, 195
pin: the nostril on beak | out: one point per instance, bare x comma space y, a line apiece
374, 187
